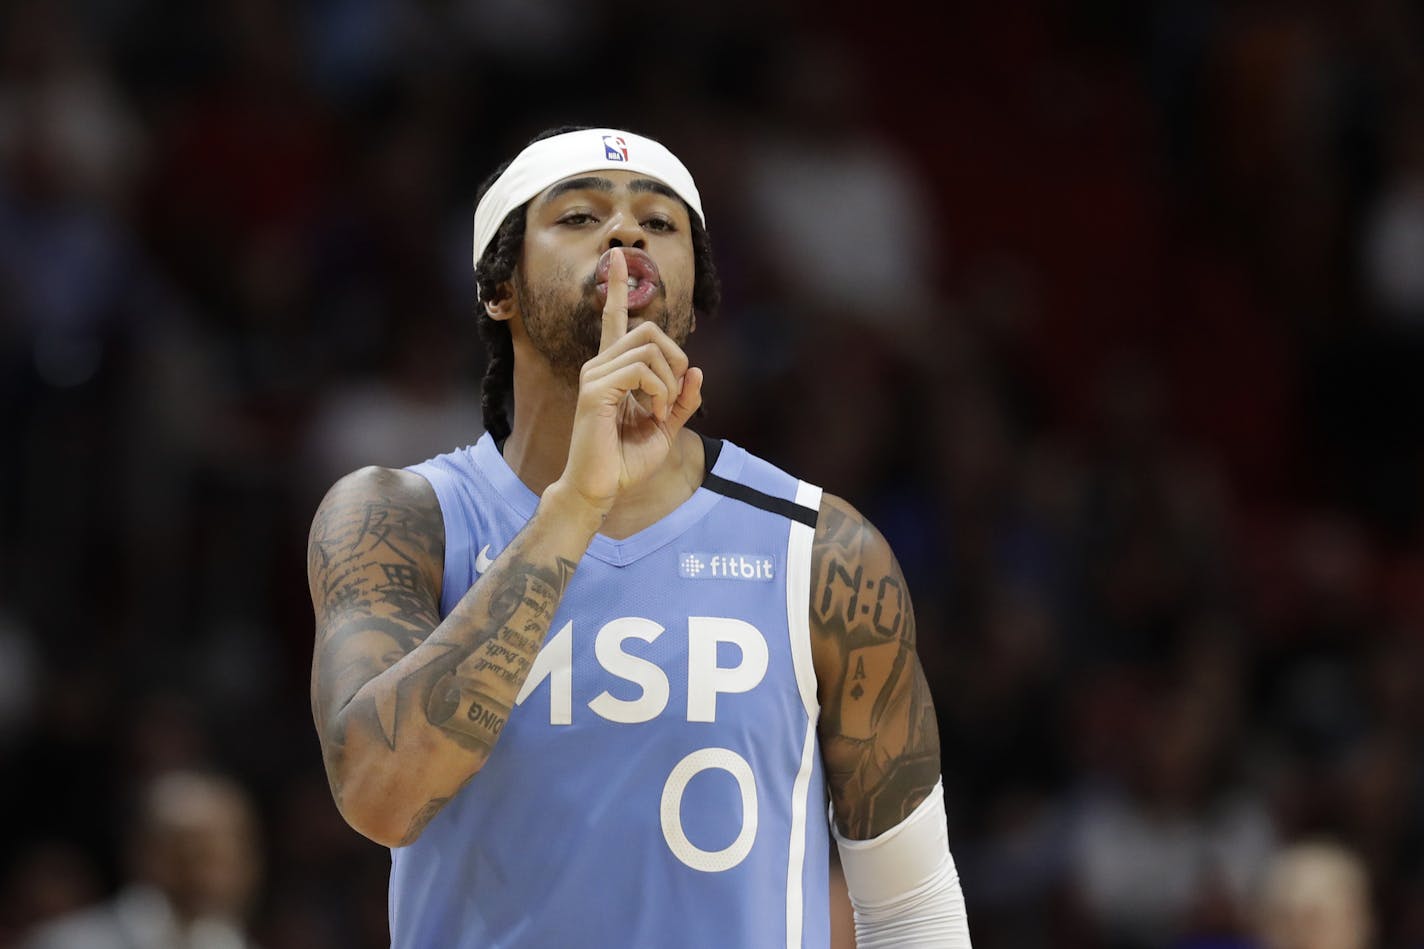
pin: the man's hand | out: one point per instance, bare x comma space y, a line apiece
634, 398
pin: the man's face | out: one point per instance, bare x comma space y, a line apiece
560, 284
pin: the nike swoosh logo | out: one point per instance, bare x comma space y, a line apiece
482, 559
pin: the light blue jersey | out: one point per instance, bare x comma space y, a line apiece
659, 783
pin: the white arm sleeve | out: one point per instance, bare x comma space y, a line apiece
903, 885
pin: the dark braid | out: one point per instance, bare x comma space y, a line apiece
706, 287
496, 268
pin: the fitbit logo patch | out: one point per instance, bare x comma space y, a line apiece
705, 566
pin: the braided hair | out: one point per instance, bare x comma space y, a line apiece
496, 268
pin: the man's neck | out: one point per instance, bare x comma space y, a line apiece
538, 444
538, 449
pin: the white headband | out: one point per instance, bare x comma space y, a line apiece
554, 159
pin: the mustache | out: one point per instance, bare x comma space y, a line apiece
589, 285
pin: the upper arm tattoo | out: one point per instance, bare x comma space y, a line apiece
374, 564
879, 739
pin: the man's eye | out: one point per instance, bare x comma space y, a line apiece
576, 219
658, 224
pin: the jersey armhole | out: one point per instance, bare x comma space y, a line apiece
457, 556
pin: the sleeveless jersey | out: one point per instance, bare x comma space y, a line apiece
658, 782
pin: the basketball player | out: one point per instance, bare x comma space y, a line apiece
592, 678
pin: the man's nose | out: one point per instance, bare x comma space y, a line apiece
624, 231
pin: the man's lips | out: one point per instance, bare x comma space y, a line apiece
641, 269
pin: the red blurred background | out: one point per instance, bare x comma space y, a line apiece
1110, 315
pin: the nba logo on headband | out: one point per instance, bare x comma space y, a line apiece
614, 148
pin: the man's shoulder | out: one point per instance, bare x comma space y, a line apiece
391, 490
741, 466
858, 591
841, 525
836, 520
373, 514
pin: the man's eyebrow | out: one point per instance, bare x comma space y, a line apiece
642, 185
589, 183
594, 183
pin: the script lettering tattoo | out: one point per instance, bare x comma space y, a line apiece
458, 689
387, 673
879, 737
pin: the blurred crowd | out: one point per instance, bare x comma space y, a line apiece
1109, 314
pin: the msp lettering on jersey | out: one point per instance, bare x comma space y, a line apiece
615, 148
705, 680
700, 565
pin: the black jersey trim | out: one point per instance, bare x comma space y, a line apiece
711, 450
749, 495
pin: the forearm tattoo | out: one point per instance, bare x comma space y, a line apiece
387, 669
879, 738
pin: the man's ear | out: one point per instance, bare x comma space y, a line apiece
504, 305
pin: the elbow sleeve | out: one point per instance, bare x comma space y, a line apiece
904, 886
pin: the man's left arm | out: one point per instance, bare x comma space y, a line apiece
880, 741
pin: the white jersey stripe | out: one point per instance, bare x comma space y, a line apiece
798, 598
798, 621
795, 866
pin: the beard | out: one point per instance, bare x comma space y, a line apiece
567, 334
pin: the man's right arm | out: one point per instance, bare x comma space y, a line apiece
408, 706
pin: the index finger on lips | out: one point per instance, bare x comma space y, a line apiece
615, 308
